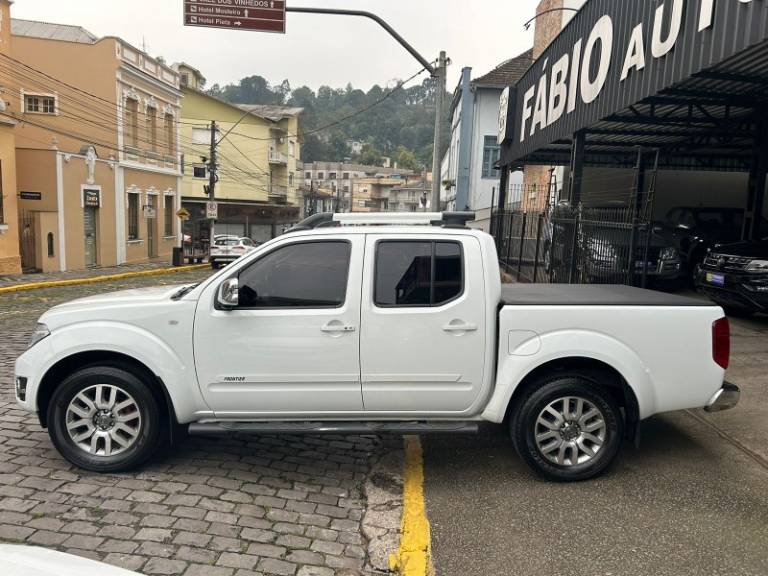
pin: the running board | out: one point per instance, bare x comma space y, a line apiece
222, 428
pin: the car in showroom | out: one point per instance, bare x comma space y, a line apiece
693, 231
226, 249
735, 276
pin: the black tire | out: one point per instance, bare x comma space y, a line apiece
152, 429
215, 265
523, 427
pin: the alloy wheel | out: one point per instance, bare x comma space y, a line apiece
570, 431
103, 420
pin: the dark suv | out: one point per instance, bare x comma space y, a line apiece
693, 231
736, 276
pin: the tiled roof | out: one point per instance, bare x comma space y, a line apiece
46, 30
507, 73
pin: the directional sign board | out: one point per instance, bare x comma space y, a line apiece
212, 210
255, 15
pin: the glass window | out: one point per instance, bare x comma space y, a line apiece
133, 216
491, 153
305, 275
132, 123
151, 118
169, 215
417, 273
199, 172
308, 175
170, 134
40, 104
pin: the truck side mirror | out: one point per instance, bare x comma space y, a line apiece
228, 294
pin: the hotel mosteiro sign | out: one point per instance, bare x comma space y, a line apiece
615, 53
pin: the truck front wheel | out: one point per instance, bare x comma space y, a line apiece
567, 428
104, 419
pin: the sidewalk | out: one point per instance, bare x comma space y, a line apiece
18, 279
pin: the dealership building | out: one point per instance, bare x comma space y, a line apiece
668, 97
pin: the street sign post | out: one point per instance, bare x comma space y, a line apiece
212, 210
254, 15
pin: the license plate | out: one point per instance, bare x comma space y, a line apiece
716, 279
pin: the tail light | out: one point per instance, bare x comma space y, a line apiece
721, 342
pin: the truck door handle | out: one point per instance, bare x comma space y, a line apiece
462, 327
335, 328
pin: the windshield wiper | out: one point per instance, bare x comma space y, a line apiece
184, 291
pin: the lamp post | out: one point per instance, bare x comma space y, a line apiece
527, 25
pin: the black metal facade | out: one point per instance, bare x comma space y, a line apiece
737, 36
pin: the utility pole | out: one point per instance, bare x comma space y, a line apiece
212, 176
438, 73
441, 78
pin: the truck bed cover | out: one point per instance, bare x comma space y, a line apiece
590, 295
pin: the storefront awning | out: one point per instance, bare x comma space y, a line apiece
689, 77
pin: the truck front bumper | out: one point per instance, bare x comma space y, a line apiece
724, 399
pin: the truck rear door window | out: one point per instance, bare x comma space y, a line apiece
417, 273
303, 275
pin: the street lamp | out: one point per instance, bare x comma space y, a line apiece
527, 25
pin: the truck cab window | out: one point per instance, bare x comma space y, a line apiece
304, 275
417, 274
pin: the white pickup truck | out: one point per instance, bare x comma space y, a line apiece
359, 327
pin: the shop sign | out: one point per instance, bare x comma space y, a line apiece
31, 195
91, 198
614, 54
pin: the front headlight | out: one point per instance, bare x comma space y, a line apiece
669, 253
41, 331
758, 266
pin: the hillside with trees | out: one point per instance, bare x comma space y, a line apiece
393, 122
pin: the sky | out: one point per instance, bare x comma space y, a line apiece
317, 49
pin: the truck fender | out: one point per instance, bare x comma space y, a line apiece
516, 364
178, 376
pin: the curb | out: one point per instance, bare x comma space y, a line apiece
414, 555
97, 279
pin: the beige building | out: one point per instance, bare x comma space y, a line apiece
257, 191
97, 149
10, 261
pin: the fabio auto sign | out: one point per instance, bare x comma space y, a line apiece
613, 54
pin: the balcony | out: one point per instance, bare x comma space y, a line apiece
278, 193
278, 158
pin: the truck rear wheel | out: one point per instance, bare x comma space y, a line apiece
104, 419
567, 428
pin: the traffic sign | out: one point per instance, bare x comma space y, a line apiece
183, 213
256, 15
212, 210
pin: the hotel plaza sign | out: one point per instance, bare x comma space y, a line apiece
615, 53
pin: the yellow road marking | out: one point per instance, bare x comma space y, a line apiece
97, 279
413, 556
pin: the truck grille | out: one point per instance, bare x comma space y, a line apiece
725, 262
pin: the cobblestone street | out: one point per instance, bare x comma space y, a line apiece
284, 505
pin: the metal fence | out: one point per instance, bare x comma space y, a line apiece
575, 245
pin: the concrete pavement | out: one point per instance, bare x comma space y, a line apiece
692, 501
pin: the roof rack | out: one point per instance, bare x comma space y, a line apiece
329, 219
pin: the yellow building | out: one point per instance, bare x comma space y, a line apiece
257, 191
97, 149
10, 261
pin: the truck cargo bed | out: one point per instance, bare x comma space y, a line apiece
590, 295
